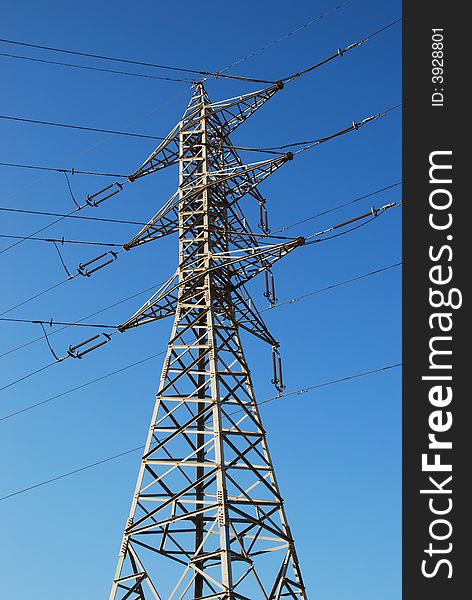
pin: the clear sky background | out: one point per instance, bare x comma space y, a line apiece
336, 450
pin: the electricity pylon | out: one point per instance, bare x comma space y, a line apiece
207, 518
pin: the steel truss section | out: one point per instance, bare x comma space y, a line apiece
232, 112
240, 180
207, 519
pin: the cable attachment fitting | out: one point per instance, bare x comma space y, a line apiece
61, 241
340, 52
69, 186
96, 199
108, 257
57, 358
355, 125
289, 156
270, 288
374, 211
277, 379
72, 350
263, 217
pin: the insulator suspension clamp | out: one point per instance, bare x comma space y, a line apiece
263, 217
270, 288
96, 199
108, 257
277, 379
72, 350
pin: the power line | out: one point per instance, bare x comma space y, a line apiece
218, 73
331, 287
85, 152
65, 325
45, 291
285, 79
237, 399
142, 223
340, 52
95, 464
307, 145
174, 79
135, 62
107, 139
308, 241
130, 451
332, 382
38, 339
81, 127
69, 216
285, 36
88, 68
61, 218
58, 170
51, 323
339, 206
375, 212
58, 240
27, 376
47, 366
63, 240
37, 295
317, 141
83, 385
321, 385
27, 237
205, 73
160, 138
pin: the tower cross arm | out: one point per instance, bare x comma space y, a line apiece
249, 262
240, 179
162, 303
164, 222
166, 154
245, 178
234, 111
246, 316
255, 259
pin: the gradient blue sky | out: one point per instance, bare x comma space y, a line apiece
336, 450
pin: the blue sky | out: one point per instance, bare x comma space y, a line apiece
336, 450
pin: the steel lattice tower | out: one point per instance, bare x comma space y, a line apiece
207, 519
